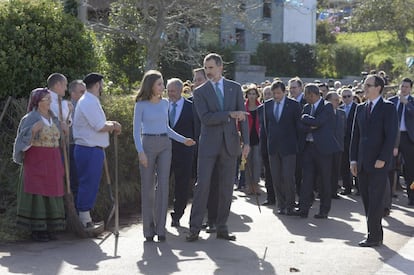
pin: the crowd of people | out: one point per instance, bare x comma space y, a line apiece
307, 140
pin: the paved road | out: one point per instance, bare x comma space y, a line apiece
266, 244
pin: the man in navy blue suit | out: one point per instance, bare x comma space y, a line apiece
349, 107
181, 119
404, 104
295, 86
280, 124
318, 143
374, 136
333, 98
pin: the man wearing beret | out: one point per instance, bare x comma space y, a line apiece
90, 132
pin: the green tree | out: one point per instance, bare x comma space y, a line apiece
324, 34
37, 38
391, 15
125, 60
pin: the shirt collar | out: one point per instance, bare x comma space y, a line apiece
316, 104
374, 101
282, 101
178, 102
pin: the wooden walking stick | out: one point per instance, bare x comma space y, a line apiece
116, 230
114, 199
73, 222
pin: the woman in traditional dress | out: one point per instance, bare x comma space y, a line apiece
40, 193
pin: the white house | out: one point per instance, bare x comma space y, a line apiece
246, 23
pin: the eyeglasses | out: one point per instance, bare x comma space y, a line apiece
369, 85
346, 96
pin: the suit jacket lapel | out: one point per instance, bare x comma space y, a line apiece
284, 109
227, 92
320, 107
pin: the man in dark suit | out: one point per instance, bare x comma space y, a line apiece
334, 99
295, 86
220, 107
374, 135
181, 119
270, 193
319, 143
404, 104
280, 126
349, 107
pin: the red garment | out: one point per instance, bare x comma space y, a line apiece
250, 119
43, 171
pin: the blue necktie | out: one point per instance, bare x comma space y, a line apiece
347, 109
277, 111
220, 96
313, 110
400, 111
172, 114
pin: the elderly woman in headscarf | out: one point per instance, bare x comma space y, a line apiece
40, 192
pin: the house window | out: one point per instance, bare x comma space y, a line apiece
242, 6
267, 9
266, 37
240, 38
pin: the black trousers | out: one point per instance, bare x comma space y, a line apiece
182, 172
268, 178
316, 166
407, 151
373, 185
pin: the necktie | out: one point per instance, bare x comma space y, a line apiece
277, 111
369, 109
220, 96
313, 110
347, 109
400, 111
172, 114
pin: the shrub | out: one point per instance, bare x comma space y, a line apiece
286, 59
121, 109
36, 39
324, 33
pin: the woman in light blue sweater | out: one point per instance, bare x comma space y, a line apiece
152, 141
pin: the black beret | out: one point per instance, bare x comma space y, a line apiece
92, 78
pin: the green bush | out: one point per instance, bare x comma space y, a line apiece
286, 59
120, 108
324, 33
348, 60
125, 60
36, 39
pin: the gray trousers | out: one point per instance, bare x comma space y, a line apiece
155, 184
226, 167
253, 165
283, 176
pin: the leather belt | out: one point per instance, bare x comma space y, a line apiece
155, 135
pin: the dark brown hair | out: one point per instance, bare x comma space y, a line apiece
145, 91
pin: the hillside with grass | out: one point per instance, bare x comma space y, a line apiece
381, 51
